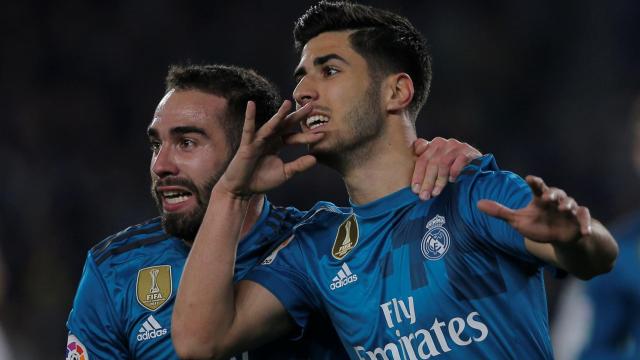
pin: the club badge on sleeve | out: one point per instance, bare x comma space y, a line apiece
75, 350
346, 238
154, 286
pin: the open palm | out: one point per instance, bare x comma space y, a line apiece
550, 217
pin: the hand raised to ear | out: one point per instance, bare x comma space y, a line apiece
256, 166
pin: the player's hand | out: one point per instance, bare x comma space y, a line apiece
439, 161
550, 217
256, 167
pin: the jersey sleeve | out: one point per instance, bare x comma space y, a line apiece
507, 189
284, 274
92, 324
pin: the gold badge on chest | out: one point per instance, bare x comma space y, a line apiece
346, 238
154, 286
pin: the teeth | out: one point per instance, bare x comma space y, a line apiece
316, 120
174, 197
175, 200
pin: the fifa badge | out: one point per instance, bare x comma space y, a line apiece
435, 242
154, 286
346, 238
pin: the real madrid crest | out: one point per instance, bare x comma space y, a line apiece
154, 286
346, 238
435, 242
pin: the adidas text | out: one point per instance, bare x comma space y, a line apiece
151, 334
340, 283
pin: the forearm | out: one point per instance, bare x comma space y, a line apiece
590, 255
204, 310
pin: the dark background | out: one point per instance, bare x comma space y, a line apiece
546, 86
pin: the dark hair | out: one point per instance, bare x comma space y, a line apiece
388, 42
235, 84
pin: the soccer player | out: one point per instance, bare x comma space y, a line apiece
458, 276
123, 304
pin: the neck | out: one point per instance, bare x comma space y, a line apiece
387, 167
253, 214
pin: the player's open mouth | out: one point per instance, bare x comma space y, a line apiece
175, 198
316, 121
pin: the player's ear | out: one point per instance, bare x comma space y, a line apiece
397, 92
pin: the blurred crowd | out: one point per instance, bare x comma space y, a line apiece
546, 86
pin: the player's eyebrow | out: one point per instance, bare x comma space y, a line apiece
323, 59
152, 133
181, 130
320, 60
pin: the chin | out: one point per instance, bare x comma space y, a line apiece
183, 226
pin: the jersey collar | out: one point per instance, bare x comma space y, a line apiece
386, 204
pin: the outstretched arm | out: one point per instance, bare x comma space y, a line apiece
559, 231
211, 319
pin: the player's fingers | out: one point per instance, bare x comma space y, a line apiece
568, 204
495, 209
429, 181
418, 173
459, 163
584, 219
248, 129
420, 146
292, 121
554, 195
536, 184
443, 173
431, 156
270, 128
298, 165
302, 138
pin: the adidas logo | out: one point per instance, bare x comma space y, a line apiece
344, 277
150, 329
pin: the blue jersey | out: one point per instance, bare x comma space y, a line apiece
405, 279
615, 298
122, 308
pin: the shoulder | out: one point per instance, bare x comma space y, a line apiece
325, 207
323, 217
486, 170
148, 236
285, 214
483, 178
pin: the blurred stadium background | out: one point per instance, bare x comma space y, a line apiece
546, 86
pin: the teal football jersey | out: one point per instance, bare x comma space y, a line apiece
122, 308
405, 279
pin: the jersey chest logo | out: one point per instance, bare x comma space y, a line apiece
435, 242
346, 238
154, 286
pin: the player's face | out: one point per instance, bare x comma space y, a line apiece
189, 154
346, 101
